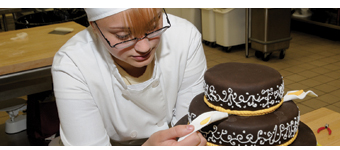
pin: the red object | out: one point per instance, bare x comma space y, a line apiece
325, 127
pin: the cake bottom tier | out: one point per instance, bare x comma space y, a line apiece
305, 136
281, 127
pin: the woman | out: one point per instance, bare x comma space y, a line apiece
128, 78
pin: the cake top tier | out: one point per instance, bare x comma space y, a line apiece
243, 86
242, 75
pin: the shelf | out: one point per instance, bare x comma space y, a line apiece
316, 23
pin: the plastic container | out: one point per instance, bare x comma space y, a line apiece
229, 27
208, 26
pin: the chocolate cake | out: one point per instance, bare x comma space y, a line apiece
243, 87
252, 95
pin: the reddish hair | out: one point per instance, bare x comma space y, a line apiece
140, 20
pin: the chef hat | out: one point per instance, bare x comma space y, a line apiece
94, 14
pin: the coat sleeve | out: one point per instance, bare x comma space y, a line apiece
193, 80
80, 120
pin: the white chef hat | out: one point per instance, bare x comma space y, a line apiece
94, 14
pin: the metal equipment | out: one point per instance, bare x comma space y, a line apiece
270, 31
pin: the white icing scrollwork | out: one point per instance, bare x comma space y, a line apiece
191, 116
266, 99
281, 132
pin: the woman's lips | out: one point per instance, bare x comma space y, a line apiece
142, 57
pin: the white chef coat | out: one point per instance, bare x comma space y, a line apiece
96, 106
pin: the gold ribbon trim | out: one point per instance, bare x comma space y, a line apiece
244, 112
290, 141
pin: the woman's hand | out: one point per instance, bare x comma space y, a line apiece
169, 137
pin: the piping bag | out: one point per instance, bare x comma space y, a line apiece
205, 119
298, 94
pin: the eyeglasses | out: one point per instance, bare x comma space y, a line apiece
128, 43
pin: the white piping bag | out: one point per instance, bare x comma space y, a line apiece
205, 119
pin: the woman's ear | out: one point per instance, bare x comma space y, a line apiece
93, 26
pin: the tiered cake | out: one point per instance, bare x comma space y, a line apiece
252, 95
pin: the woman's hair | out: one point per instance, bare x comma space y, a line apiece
141, 20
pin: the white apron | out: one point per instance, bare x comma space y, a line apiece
147, 107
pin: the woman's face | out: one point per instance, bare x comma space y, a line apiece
135, 56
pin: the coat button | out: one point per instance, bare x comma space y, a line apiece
155, 83
133, 134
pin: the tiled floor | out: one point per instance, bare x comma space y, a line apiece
310, 63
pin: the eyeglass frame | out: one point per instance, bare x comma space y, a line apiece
137, 39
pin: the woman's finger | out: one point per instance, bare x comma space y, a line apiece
203, 140
192, 140
177, 131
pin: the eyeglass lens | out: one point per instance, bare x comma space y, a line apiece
131, 42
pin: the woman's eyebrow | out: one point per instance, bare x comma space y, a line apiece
125, 28
158, 15
119, 29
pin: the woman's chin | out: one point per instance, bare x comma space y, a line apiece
141, 64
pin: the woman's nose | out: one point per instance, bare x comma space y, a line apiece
142, 45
